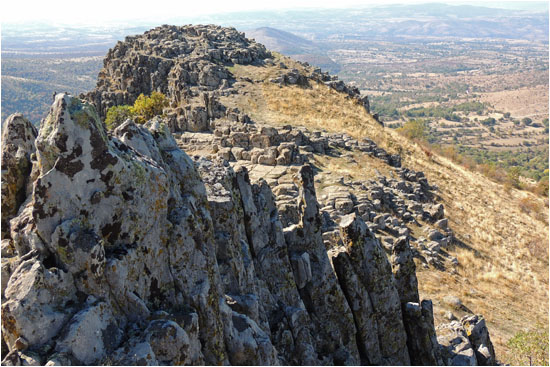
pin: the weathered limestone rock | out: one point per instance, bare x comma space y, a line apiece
232, 249
18, 358
90, 334
421, 337
38, 303
246, 342
477, 332
289, 321
374, 271
417, 316
359, 300
169, 339
466, 342
105, 214
456, 349
404, 271
18, 135
322, 296
178, 61
171, 343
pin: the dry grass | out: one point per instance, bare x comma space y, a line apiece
502, 232
314, 107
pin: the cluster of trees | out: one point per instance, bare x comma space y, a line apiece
532, 162
448, 113
144, 109
388, 105
417, 130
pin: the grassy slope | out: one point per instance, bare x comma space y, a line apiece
503, 233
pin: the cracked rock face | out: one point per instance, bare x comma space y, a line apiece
18, 135
119, 248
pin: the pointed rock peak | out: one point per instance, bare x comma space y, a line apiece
69, 110
71, 129
353, 229
162, 134
18, 136
18, 131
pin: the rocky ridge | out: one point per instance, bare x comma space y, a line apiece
230, 256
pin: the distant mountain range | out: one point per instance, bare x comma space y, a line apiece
306, 35
386, 22
292, 45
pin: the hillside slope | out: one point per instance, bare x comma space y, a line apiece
501, 234
266, 217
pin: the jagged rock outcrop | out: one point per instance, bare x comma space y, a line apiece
466, 343
18, 135
479, 336
189, 65
185, 63
101, 215
121, 249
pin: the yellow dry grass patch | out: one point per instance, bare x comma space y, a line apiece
354, 166
318, 107
502, 232
504, 257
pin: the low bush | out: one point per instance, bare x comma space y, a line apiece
415, 130
116, 115
144, 109
529, 348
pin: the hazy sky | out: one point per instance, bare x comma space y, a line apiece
92, 12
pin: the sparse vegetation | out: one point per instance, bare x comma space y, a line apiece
489, 121
529, 347
116, 115
434, 112
144, 109
417, 130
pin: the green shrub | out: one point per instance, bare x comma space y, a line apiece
415, 130
542, 186
526, 121
513, 177
145, 108
489, 121
116, 115
529, 348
